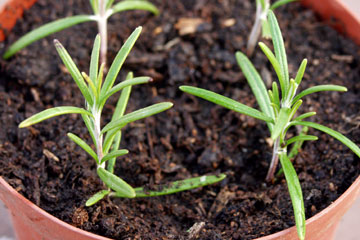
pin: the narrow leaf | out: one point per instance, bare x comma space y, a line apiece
90, 126
114, 154
178, 186
257, 86
119, 61
301, 138
266, 30
296, 196
83, 145
276, 65
119, 112
96, 197
94, 62
74, 71
44, 31
116, 183
280, 3
295, 108
276, 93
52, 112
305, 115
135, 5
281, 122
226, 102
301, 71
332, 133
122, 85
320, 88
279, 48
109, 4
93, 89
137, 115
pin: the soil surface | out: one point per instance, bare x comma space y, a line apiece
193, 138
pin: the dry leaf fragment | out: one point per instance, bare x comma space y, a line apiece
187, 26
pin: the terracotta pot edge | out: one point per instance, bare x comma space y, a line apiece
46, 214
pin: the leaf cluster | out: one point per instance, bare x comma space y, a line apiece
96, 90
64, 23
278, 108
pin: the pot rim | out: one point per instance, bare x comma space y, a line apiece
355, 186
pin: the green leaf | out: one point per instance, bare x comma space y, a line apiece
109, 4
295, 192
178, 186
94, 5
114, 154
119, 61
122, 85
92, 86
113, 138
296, 146
294, 108
332, 133
301, 71
276, 94
276, 65
137, 115
257, 86
226, 102
90, 126
74, 71
94, 62
44, 31
52, 112
84, 146
281, 122
100, 78
266, 29
280, 3
320, 88
279, 48
135, 5
96, 197
301, 138
305, 115
116, 183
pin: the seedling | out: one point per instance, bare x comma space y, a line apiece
102, 11
279, 114
107, 139
261, 24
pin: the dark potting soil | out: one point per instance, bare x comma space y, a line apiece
193, 138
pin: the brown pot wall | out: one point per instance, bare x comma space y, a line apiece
32, 223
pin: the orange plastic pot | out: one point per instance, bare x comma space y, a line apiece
32, 223
10, 11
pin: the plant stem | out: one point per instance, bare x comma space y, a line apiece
98, 138
274, 161
255, 31
261, 14
102, 26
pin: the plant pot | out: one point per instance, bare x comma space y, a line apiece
346, 21
31, 222
10, 11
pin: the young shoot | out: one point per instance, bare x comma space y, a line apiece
102, 11
96, 90
261, 24
278, 108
